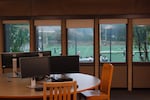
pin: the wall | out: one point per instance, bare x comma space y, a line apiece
28, 9
141, 76
72, 7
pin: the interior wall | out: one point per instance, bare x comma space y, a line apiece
72, 7
141, 76
87, 69
120, 77
17, 8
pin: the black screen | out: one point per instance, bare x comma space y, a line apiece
64, 64
34, 66
7, 59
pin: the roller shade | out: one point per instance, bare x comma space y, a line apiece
47, 22
113, 21
80, 23
141, 21
15, 21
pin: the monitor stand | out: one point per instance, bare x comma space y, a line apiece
40, 54
14, 73
32, 83
14, 62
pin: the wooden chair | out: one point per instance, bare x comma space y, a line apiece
105, 85
60, 90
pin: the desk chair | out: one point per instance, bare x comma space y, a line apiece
105, 85
60, 90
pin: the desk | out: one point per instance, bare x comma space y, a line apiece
16, 87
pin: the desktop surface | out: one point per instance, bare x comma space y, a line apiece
17, 87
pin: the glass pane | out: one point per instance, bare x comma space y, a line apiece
113, 42
141, 43
49, 39
80, 42
17, 37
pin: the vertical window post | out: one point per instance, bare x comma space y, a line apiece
109, 32
110, 42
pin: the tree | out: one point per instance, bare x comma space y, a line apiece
141, 41
18, 37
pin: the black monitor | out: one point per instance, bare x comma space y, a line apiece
34, 66
64, 64
8, 56
6, 60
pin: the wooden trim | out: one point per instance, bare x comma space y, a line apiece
1, 44
129, 54
64, 38
96, 48
32, 36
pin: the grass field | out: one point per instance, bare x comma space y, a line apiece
117, 52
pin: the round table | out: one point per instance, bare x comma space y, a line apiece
16, 87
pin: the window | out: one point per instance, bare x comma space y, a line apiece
113, 40
17, 36
141, 40
48, 36
80, 39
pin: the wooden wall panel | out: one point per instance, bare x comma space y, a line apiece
46, 7
15, 7
72, 7
142, 6
141, 76
119, 77
97, 7
87, 69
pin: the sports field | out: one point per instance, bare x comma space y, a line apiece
86, 52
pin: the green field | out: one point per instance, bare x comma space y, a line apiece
117, 52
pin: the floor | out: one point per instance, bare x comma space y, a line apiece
136, 94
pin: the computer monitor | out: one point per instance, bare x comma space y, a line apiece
8, 56
34, 66
7, 60
64, 64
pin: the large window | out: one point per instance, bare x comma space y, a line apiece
80, 39
48, 36
113, 40
17, 36
141, 40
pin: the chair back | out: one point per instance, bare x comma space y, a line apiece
60, 90
106, 78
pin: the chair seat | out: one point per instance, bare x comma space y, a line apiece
94, 95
